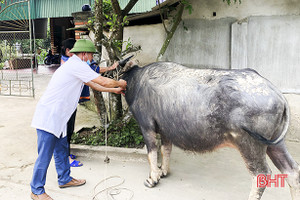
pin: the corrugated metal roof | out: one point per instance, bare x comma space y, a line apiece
140, 6
18, 9
13, 9
58, 8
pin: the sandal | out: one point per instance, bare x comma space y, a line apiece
76, 163
72, 156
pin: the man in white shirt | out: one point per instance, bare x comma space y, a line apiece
54, 110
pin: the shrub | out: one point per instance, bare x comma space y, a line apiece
119, 134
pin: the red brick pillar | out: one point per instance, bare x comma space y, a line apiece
80, 22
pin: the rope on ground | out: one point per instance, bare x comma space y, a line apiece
112, 192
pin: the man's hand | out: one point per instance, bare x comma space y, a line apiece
110, 83
118, 90
114, 66
122, 84
95, 86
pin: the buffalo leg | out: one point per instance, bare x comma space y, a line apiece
155, 172
286, 164
254, 155
166, 149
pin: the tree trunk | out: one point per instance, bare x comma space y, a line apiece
116, 109
100, 104
99, 100
99, 25
170, 34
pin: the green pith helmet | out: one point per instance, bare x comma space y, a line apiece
83, 46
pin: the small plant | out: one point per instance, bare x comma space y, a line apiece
41, 57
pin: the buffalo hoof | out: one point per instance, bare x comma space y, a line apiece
164, 175
150, 183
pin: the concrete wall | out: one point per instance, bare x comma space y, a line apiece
149, 37
294, 127
204, 9
270, 45
204, 42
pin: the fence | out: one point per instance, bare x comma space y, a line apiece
16, 58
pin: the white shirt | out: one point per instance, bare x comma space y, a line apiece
60, 99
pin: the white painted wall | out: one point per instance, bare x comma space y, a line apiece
149, 37
203, 9
272, 47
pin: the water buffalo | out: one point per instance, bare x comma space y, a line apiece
200, 110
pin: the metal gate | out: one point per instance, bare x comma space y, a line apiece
16, 57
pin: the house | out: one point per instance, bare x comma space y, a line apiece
14, 18
22, 20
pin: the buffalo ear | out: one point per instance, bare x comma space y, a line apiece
130, 65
